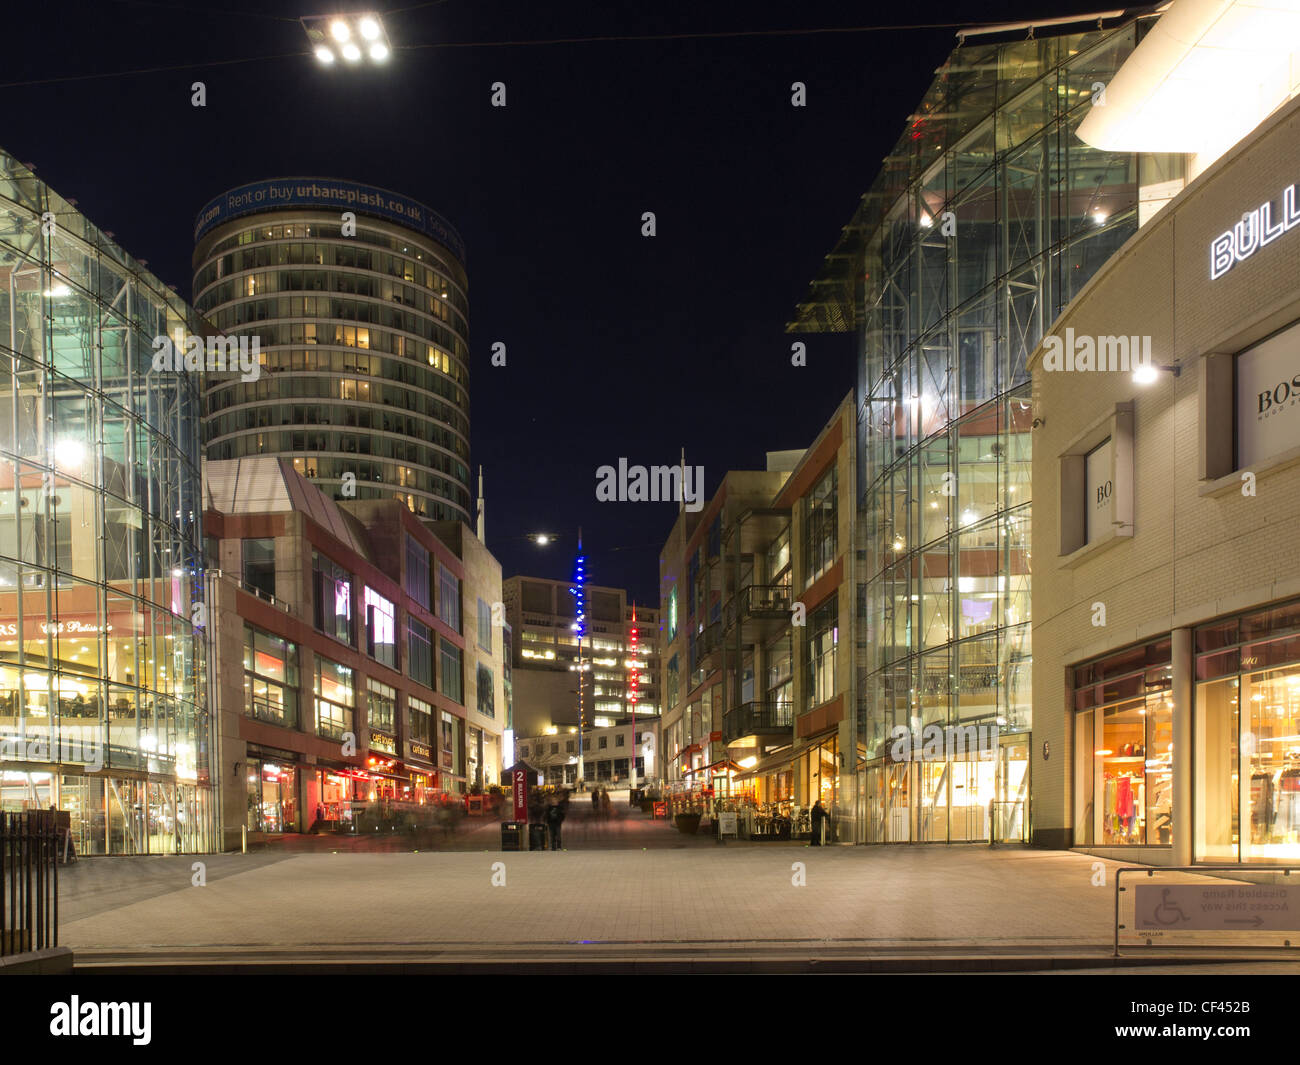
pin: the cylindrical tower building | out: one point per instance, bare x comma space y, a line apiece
357, 298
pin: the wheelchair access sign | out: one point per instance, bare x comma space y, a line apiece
1217, 908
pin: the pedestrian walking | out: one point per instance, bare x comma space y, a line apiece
819, 816
604, 803
555, 822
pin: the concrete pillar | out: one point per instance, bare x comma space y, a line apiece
1183, 687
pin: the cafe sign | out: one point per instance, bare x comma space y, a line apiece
71, 628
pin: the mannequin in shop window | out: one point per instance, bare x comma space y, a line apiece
1288, 795
1262, 810
1162, 814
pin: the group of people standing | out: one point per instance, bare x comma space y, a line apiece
600, 805
553, 810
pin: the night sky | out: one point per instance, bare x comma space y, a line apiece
617, 345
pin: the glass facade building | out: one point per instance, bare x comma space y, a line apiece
102, 707
357, 298
987, 218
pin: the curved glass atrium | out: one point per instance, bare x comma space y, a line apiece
987, 218
102, 709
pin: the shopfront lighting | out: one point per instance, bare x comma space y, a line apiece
1149, 373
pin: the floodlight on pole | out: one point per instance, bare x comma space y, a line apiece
352, 36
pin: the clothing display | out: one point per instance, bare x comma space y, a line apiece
1124, 803
1288, 801
1261, 805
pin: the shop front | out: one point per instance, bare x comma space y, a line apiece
768, 780
115, 814
338, 790
779, 792
1242, 723
819, 772
272, 788
1247, 738
1123, 727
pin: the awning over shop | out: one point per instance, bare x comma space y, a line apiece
687, 752
772, 763
727, 762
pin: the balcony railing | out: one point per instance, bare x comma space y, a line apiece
758, 601
271, 713
238, 581
756, 718
709, 640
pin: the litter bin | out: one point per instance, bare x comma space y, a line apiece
538, 837
512, 835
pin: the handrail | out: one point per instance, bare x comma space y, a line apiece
1152, 870
265, 597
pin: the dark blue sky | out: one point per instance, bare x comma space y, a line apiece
618, 345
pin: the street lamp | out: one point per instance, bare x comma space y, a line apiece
351, 36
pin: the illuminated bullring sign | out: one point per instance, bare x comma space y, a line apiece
1255, 229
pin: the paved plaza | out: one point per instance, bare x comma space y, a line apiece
631, 889
604, 893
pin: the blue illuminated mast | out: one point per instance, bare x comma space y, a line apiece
578, 591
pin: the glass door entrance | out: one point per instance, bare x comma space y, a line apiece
955, 801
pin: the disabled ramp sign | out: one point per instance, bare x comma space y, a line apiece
1217, 908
